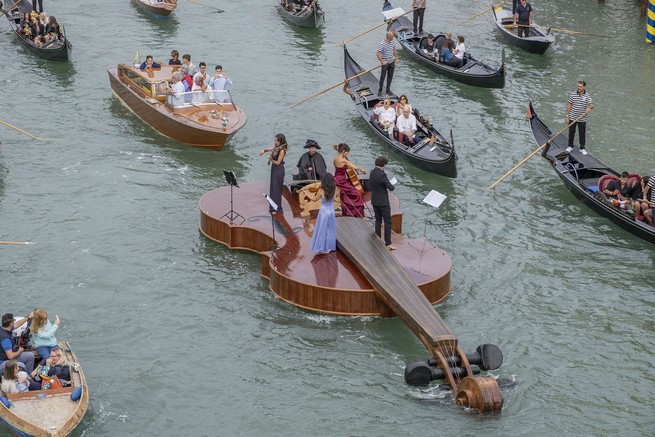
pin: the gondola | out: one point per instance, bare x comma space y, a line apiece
433, 153
53, 51
586, 177
313, 17
53, 412
473, 72
159, 9
539, 40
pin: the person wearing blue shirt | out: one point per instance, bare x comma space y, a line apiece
25, 359
149, 63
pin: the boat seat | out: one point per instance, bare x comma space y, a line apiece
605, 180
633, 179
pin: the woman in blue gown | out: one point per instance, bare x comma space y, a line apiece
324, 238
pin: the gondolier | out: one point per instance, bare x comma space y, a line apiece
579, 104
387, 56
523, 17
419, 12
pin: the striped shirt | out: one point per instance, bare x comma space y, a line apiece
417, 3
386, 51
651, 189
579, 104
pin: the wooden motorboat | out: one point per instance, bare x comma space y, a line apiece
58, 50
434, 153
586, 177
539, 40
313, 16
362, 277
48, 413
159, 9
472, 72
199, 118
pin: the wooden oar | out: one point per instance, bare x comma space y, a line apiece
480, 13
574, 32
207, 6
334, 86
5, 11
15, 242
492, 186
372, 28
21, 131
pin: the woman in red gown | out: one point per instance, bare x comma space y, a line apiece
352, 203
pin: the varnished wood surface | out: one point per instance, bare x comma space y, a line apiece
392, 281
328, 283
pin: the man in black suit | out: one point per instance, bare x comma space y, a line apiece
380, 187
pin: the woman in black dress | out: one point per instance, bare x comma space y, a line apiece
276, 161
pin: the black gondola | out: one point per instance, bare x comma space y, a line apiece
538, 40
433, 153
313, 17
473, 72
585, 177
58, 50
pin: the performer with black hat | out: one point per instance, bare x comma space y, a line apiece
311, 165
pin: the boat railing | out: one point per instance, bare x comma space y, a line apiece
199, 98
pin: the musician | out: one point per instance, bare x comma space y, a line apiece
352, 203
311, 164
380, 187
276, 161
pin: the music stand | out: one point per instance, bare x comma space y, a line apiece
231, 179
275, 209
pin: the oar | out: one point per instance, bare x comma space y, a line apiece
334, 86
373, 28
480, 13
574, 32
207, 6
5, 11
21, 131
15, 242
492, 186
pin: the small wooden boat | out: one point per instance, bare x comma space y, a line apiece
586, 177
362, 277
159, 9
472, 72
539, 40
434, 153
313, 16
198, 118
58, 50
48, 413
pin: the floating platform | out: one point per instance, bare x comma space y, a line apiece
328, 283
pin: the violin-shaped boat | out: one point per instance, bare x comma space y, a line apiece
50, 413
55, 50
472, 72
157, 8
362, 277
199, 118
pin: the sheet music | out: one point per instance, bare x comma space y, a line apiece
434, 198
393, 180
271, 202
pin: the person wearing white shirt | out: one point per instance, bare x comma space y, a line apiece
406, 125
202, 67
177, 91
386, 116
460, 49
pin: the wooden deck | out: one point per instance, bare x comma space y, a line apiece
329, 283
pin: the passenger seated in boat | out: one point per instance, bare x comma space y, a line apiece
54, 365
200, 94
177, 91
38, 32
642, 196
386, 116
459, 50
7, 351
187, 81
149, 63
53, 31
186, 60
15, 380
175, 58
429, 46
43, 19
43, 332
406, 125
401, 104
446, 56
619, 189
202, 72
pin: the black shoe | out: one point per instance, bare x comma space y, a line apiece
414, 31
389, 93
380, 92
